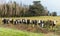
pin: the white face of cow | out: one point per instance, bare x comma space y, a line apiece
54, 21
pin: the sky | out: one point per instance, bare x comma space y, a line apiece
52, 5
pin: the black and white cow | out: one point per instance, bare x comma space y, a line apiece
41, 23
5, 21
34, 22
15, 22
19, 21
23, 21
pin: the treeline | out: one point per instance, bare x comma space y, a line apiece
14, 9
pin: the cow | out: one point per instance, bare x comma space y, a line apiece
32, 22
41, 23
50, 23
28, 21
15, 22
53, 23
11, 21
5, 21
23, 21
19, 21
35, 22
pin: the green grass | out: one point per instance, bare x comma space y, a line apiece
12, 32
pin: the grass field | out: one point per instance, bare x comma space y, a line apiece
11, 32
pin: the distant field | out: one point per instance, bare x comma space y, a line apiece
57, 18
11, 32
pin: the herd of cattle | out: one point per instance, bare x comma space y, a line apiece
41, 23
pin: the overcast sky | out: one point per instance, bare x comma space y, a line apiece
52, 5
